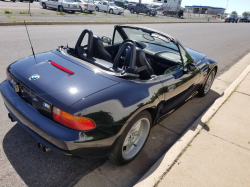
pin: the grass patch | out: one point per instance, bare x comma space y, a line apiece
23, 12
8, 12
61, 13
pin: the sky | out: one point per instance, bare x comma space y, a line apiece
238, 5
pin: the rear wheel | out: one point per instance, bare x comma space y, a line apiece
97, 9
60, 9
132, 139
132, 10
210, 79
81, 9
44, 5
148, 13
91, 12
111, 11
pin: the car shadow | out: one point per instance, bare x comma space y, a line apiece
37, 168
162, 137
51, 169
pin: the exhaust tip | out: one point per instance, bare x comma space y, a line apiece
39, 145
45, 149
11, 118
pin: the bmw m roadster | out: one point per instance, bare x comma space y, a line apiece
101, 99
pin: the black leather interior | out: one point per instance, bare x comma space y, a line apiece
99, 51
142, 62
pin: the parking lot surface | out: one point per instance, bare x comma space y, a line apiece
45, 15
22, 164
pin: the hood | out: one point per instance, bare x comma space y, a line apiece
197, 56
116, 7
56, 86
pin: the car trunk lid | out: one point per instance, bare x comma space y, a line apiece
56, 86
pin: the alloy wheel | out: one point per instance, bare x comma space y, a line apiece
209, 82
135, 138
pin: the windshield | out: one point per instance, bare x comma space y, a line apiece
112, 4
152, 38
69, 1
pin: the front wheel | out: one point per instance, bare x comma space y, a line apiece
132, 139
97, 9
44, 5
205, 89
111, 11
60, 9
148, 13
132, 11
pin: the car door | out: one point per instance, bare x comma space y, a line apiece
104, 6
144, 9
49, 3
137, 8
180, 82
56, 3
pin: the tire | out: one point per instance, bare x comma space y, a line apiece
73, 12
91, 12
97, 9
148, 13
206, 87
119, 155
21, 0
44, 6
132, 10
111, 11
81, 9
60, 9
31, 1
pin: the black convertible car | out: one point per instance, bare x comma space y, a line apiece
101, 100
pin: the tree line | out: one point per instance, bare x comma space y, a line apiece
244, 13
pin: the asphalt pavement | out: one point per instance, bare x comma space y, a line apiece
23, 164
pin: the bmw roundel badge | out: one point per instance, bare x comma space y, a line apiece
34, 77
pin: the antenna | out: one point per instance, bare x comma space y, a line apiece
30, 41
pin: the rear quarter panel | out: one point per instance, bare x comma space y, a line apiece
113, 108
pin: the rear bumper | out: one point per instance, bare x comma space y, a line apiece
71, 8
51, 134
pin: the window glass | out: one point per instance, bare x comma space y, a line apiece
117, 38
104, 3
187, 59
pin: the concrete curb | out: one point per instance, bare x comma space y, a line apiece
162, 166
89, 23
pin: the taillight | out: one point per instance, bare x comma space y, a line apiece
74, 122
61, 68
85, 4
8, 76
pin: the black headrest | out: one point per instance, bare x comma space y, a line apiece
144, 68
99, 51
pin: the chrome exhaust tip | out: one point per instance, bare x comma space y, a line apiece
45, 149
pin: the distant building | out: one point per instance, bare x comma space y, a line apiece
205, 10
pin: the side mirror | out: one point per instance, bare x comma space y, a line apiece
189, 69
106, 39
